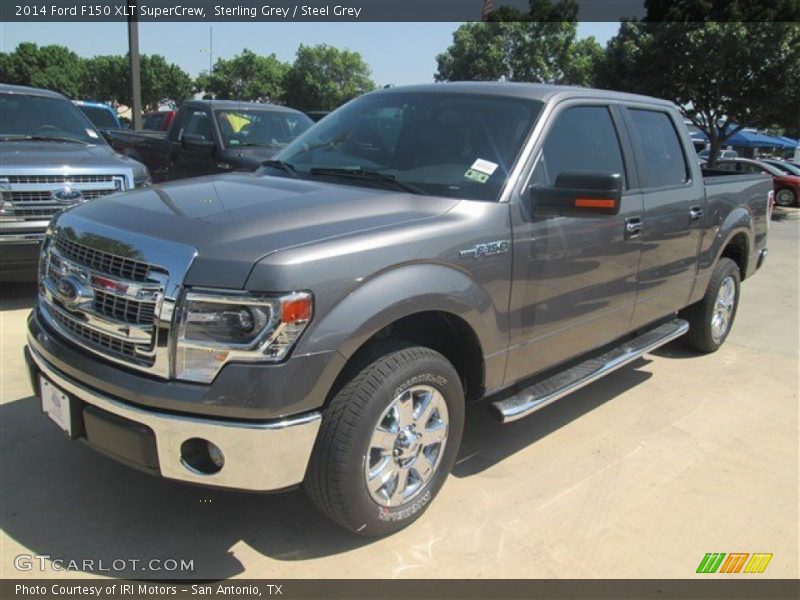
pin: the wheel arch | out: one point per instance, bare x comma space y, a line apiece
441, 308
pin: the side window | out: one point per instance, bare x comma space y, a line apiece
726, 166
583, 138
197, 123
664, 161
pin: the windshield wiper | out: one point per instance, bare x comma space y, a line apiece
367, 175
260, 144
43, 138
282, 166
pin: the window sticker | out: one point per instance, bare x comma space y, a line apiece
484, 166
476, 176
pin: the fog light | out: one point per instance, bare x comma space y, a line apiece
216, 455
201, 456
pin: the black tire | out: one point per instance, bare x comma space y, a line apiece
336, 480
701, 334
786, 197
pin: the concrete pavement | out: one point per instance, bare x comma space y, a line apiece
637, 475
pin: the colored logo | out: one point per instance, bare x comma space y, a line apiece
735, 562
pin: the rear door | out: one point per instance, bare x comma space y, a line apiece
574, 282
674, 207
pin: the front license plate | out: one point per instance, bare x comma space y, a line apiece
55, 404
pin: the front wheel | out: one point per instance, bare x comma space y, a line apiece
711, 319
388, 439
785, 198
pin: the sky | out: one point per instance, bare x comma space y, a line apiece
398, 53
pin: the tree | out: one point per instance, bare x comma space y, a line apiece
724, 76
51, 67
539, 46
323, 78
247, 76
699, 11
107, 79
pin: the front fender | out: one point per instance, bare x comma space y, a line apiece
401, 292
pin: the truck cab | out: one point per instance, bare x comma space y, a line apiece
213, 136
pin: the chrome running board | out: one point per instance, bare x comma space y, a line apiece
542, 393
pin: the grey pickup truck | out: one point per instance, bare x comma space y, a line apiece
325, 320
51, 157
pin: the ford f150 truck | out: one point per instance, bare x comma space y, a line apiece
324, 320
213, 136
51, 157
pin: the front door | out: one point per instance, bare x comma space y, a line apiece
574, 284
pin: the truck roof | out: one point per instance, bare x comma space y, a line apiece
237, 105
534, 91
6, 88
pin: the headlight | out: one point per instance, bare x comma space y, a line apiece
215, 328
142, 180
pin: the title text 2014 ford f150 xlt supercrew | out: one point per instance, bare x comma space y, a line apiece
325, 320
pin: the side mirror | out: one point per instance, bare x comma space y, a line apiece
197, 144
579, 193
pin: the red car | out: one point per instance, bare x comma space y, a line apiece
787, 185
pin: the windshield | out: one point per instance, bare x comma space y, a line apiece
448, 144
100, 116
26, 116
260, 127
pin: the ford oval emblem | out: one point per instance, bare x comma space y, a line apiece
67, 195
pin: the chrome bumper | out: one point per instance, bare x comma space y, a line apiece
264, 456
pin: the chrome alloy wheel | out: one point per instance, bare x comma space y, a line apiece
406, 445
723, 309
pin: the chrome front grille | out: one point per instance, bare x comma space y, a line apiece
112, 345
105, 262
104, 302
35, 197
124, 309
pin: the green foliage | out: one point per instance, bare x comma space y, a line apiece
323, 78
725, 76
537, 51
52, 67
247, 76
538, 45
101, 78
698, 11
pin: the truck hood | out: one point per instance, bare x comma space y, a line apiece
235, 220
57, 155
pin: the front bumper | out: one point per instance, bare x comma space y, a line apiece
259, 456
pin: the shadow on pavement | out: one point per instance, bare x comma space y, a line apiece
487, 442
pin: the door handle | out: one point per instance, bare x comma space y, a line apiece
633, 227
695, 213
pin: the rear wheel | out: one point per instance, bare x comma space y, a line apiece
711, 319
786, 197
388, 439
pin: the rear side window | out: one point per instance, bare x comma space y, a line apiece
583, 138
663, 158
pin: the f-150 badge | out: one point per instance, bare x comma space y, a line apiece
487, 249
